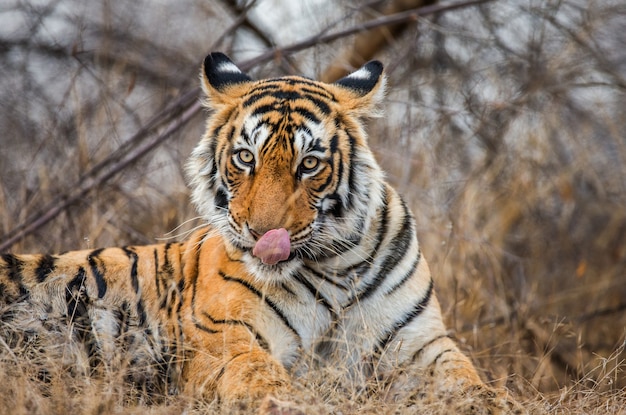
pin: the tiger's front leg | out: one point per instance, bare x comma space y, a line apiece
236, 374
439, 374
224, 327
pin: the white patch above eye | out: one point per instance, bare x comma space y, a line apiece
228, 67
257, 132
304, 139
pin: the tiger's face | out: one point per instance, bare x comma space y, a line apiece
284, 171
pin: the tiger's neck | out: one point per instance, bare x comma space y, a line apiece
357, 250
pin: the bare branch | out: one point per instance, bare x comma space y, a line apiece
367, 44
402, 17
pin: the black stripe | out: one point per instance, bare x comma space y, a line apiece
168, 268
263, 88
381, 234
97, 273
201, 326
78, 304
211, 156
223, 369
194, 284
401, 242
260, 339
352, 167
300, 81
282, 94
277, 83
321, 105
319, 298
306, 114
75, 294
122, 316
407, 276
178, 293
134, 278
337, 208
287, 289
340, 247
194, 274
403, 321
253, 98
132, 256
267, 108
245, 137
181, 286
329, 179
427, 344
325, 278
45, 266
269, 302
320, 92
313, 143
232, 258
436, 359
231, 137
221, 198
216, 131
15, 266
334, 143
384, 225
157, 280
141, 313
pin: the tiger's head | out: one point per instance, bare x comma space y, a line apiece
284, 171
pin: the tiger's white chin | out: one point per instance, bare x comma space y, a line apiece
271, 274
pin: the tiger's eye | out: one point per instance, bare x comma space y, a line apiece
309, 163
246, 157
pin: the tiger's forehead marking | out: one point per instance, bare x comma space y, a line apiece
294, 92
286, 112
260, 133
293, 83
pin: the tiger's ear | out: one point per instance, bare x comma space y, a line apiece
363, 89
222, 80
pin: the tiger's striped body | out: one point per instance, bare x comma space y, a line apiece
216, 319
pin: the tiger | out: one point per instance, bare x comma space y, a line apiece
307, 258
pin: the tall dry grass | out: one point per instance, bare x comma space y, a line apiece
504, 130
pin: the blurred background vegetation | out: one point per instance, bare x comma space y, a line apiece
504, 129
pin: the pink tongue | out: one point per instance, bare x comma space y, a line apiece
273, 247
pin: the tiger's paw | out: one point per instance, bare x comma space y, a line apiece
273, 406
480, 399
458, 396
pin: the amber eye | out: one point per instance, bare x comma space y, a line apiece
245, 157
309, 163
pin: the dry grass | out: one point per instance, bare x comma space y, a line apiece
505, 132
